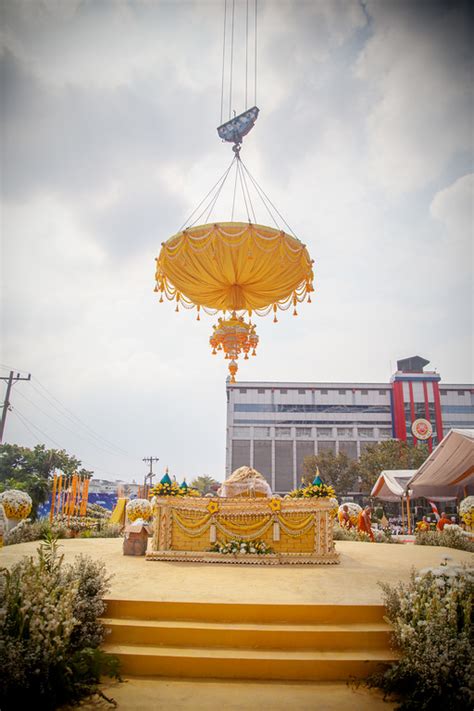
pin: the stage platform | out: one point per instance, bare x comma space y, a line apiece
353, 582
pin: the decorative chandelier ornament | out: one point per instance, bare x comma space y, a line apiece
234, 336
235, 267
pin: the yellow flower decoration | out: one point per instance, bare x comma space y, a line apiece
212, 507
275, 505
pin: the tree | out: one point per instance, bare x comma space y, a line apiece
31, 470
339, 471
205, 484
390, 454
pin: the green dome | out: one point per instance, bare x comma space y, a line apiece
317, 481
183, 485
166, 479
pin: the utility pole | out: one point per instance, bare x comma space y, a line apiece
12, 378
150, 475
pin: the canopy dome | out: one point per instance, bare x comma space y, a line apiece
245, 481
234, 266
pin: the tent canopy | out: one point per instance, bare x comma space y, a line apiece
449, 470
391, 484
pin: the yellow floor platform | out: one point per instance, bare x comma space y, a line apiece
353, 582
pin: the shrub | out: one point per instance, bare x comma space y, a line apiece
450, 538
34, 531
340, 533
50, 632
432, 620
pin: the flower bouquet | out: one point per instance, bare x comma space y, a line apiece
139, 509
320, 491
172, 489
241, 547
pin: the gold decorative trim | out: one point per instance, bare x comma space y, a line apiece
245, 559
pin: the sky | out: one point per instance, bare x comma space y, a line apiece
109, 112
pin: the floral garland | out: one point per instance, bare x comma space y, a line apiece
17, 504
466, 511
139, 508
241, 547
173, 489
321, 491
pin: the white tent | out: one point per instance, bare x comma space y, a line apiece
391, 484
449, 470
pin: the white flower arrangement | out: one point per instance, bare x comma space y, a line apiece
17, 504
139, 509
240, 547
466, 510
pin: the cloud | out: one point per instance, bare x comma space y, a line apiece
418, 66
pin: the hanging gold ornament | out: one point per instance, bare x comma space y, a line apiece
234, 336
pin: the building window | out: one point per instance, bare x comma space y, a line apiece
282, 432
344, 431
283, 391
382, 392
461, 392
242, 391
385, 433
324, 432
303, 432
341, 392
323, 392
301, 392
261, 391
364, 392
443, 392
241, 431
261, 432
365, 432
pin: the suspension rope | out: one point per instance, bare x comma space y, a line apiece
262, 192
239, 168
216, 197
231, 58
261, 196
246, 52
244, 180
223, 61
235, 189
222, 178
255, 61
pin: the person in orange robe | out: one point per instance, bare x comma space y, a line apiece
423, 525
364, 523
344, 517
442, 521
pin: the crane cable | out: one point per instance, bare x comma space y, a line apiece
228, 55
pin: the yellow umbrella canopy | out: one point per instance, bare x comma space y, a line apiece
234, 266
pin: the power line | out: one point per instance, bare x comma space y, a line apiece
12, 378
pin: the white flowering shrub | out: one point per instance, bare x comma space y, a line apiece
49, 630
238, 546
432, 621
449, 537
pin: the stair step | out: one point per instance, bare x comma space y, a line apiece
148, 660
196, 634
244, 612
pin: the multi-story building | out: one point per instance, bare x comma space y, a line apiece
274, 426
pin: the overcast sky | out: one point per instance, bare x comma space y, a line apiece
109, 115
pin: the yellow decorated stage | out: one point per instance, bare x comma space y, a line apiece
297, 531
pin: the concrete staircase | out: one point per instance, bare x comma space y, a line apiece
243, 641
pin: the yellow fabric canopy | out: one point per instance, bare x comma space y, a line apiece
234, 266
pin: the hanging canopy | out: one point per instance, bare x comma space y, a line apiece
449, 470
234, 266
391, 484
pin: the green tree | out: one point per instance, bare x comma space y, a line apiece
390, 454
205, 484
31, 470
339, 471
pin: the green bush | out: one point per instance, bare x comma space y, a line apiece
432, 621
50, 632
28, 530
450, 538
